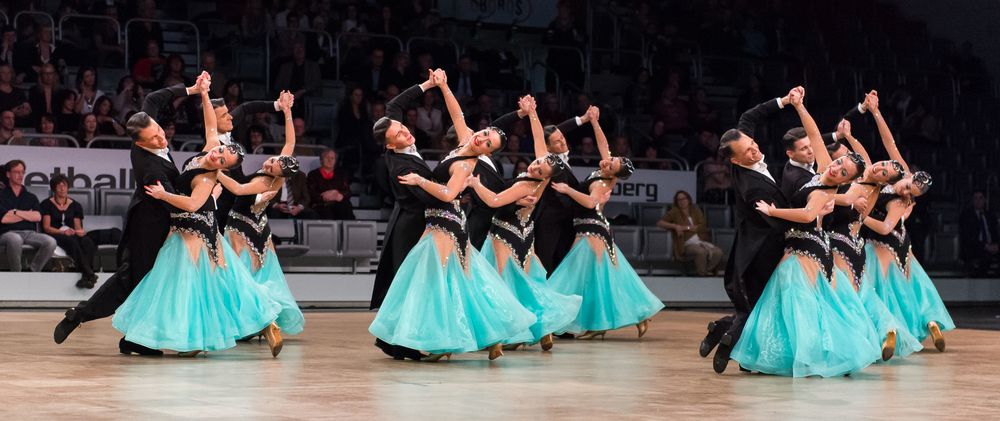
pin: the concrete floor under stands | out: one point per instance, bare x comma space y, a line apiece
332, 371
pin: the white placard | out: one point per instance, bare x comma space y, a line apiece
106, 168
649, 186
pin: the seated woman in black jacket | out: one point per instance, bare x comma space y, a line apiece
62, 218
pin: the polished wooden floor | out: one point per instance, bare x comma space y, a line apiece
333, 372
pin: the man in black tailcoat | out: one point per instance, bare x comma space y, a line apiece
759, 242
406, 224
554, 232
147, 221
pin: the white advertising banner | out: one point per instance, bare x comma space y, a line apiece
106, 168
652, 186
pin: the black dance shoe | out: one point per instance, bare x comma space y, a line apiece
129, 348
66, 326
398, 352
566, 335
715, 331
721, 359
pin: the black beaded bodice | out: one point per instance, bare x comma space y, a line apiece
514, 225
590, 222
897, 240
200, 223
448, 217
808, 239
841, 228
250, 221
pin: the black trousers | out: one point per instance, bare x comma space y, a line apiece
109, 296
80, 249
340, 211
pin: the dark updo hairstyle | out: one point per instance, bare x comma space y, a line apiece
237, 150
502, 136
627, 168
557, 164
289, 165
858, 161
923, 181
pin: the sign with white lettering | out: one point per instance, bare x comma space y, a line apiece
106, 168
652, 186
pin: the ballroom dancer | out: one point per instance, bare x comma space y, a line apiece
147, 220
446, 298
510, 248
759, 241
613, 294
248, 231
406, 224
800, 326
227, 121
198, 297
848, 247
554, 218
899, 280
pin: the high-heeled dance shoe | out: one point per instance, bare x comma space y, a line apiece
642, 326
546, 342
889, 345
591, 334
936, 335
189, 354
433, 358
513, 347
273, 334
496, 351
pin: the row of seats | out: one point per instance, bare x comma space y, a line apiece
647, 214
651, 248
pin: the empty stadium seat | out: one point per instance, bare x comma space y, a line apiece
659, 245
613, 210
284, 229
360, 240
629, 241
85, 197
723, 237
40, 190
113, 201
946, 249
718, 216
647, 214
321, 114
322, 237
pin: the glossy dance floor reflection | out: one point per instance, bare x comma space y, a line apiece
332, 371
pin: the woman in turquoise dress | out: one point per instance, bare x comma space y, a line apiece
613, 294
848, 246
248, 231
897, 277
801, 325
446, 298
510, 245
198, 297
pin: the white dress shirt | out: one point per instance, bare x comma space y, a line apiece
761, 168
162, 153
807, 167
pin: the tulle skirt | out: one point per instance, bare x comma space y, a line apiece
270, 276
186, 306
439, 308
613, 296
802, 328
914, 302
553, 310
880, 316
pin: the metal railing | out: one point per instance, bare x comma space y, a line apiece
52, 22
6, 21
28, 137
112, 139
64, 18
267, 49
260, 148
410, 40
363, 36
197, 36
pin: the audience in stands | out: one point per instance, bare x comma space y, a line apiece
86, 89
292, 200
46, 126
128, 98
717, 185
9, 133
146, 69
329, 189
12, 98
588, 155
979, 237
8, 51
300, 76
690, 235
104, 113
66, 117
19, 226
62, 218
88, 129
44, 96
43, 52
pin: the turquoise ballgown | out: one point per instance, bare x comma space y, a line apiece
914, 301
554, 310
290, 319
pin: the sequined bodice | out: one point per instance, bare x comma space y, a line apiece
248, 219
806, 239
897, 240
448, 217
514, 225
591, 222
200, 223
